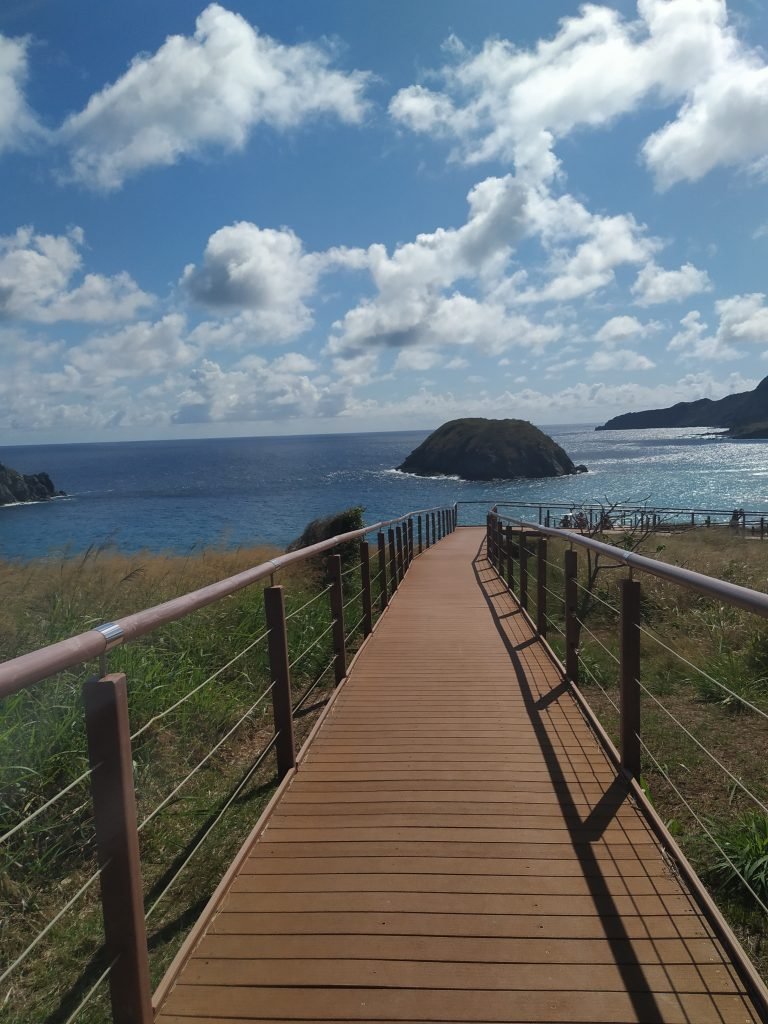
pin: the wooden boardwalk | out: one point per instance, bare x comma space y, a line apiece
455, 846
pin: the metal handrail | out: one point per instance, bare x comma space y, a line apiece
36, 666
730, 593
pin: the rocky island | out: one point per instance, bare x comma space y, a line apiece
744, 415
481, 449
19, 487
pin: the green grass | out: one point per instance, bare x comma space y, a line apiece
42, 749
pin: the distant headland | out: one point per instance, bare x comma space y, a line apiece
744, 415
16, 487
481, 449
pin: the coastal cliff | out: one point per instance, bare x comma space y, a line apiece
481, 449
739, 413
18, 487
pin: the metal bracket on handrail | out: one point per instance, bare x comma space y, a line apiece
112, 633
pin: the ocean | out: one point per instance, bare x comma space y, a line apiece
184, 494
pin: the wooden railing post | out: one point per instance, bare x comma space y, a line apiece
410, 539
435, 538
117, 842
337, 611
508, 542
365, 580
400, 553
383, 596
571, 625
282, 706
523, 557
541, 587
500, 545
393, 581
629, 682
426, 529
421, 540
490, 536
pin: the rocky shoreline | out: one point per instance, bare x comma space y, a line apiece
21, 488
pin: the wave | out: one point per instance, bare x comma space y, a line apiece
422, 476
42, 501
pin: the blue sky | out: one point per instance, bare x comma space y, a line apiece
300, 217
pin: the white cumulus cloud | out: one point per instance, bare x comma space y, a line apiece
36, 282
205, 90
654, 285
513, 103
265, 276
17, 122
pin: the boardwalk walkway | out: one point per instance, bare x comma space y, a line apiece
456, 847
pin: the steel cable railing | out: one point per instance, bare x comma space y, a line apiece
52, 923
597, 640
736, 781
313, 686
249, 774
90, 993
705, 675
188, 696
292, 614
167, 799
19, 826
300, 657
702, 825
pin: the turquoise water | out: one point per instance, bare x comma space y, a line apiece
180, 495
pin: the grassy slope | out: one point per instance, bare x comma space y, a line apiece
42, 747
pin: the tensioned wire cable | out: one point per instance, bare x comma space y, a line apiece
167, 799
187, 696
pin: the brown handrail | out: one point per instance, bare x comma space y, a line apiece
36, 666
731, 593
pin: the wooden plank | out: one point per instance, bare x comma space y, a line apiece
372, 881
442, 948
371, 1004
662, 926
285, 862
479, 904
456, 976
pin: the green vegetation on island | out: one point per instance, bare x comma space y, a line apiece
744, 415
481, 449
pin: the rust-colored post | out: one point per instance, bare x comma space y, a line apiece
629, 681
365, 579
509, 556
393, 581
410, 540
337, 611
571, 625
383, 598
523, 556
282, 708
117, 842
541, 587
421, 539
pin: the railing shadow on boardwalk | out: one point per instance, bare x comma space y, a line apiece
582, 831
